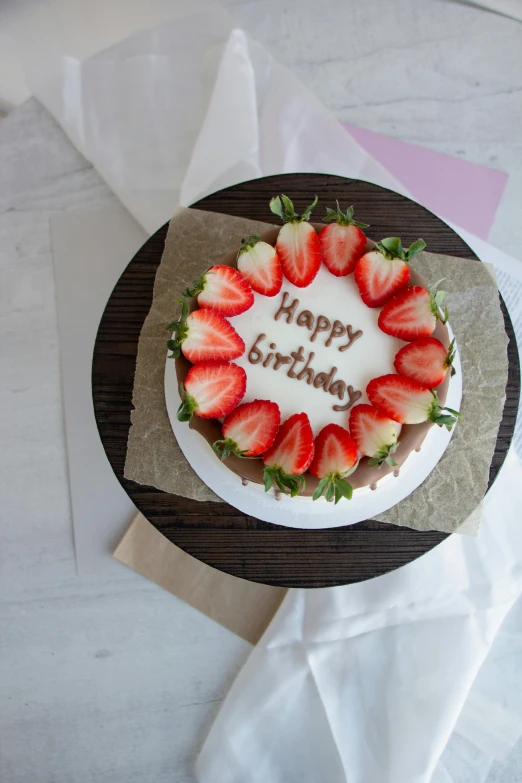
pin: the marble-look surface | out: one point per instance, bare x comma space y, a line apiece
112, 679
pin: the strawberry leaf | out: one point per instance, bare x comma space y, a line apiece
383, 455
391, 247
180, 330
414, 249
320, 489
333, 485
188, 405
308, 211
247, 243
225, 448
277, 208
443, 417
287, 484
283, 207
343, 218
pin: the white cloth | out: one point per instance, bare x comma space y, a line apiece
373, 682
366, 683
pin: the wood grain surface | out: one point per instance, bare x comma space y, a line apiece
217, 533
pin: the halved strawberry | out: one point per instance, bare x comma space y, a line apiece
289, 455
382, 272
426, 360
259, 263
335, 458
211, 390
223, 289
249, 430
343, 242
297, 243
204, 336
374, 433
408, 402
413, 313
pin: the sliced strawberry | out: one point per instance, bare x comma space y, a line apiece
204, 336
249, 430
412, 313
343, 242
259, 263
425, 360
297, 243
335, 458
289, 455
374, 433
223, 289
408, 402
382, 272
211, 390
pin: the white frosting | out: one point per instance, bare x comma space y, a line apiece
337, 298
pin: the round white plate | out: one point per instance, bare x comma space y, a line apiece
300, 512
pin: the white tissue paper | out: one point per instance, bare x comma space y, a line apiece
405, 678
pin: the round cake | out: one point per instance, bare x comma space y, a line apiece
319, 335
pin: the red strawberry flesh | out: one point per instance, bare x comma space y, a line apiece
409, 315
299, 252
341, 248
378, 277
259, 263
374, 433
210, 337
293, 448
401, 399
226, 291
250, 429
212, 390
335, 452
426, 360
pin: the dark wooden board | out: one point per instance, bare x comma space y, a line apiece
217, 533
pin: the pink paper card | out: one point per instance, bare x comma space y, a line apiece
463, 192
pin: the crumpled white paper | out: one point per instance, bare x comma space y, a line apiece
403, 679
179, 110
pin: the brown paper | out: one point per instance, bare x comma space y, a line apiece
243, 607
452, 491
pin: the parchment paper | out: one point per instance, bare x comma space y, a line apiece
244, 607
453, 490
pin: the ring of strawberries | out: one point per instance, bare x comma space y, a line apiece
214, 386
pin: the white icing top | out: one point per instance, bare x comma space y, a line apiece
336, 299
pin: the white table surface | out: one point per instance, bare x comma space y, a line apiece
113, 679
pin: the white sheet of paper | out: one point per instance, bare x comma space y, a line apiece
90, 250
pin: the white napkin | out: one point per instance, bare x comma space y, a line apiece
371, 682
511, 8
366, 683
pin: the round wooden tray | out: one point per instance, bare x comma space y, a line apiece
217, 533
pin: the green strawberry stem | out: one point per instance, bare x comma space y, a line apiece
450, 356
225, 448
383, 455
436, 300
392, 248
284, 208
334, 485
196, 288
442, 416
247, 243
343, 218
288, 484
180, 328
188, 405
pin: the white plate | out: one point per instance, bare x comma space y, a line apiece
302, 512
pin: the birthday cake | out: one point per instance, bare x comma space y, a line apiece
312, 359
